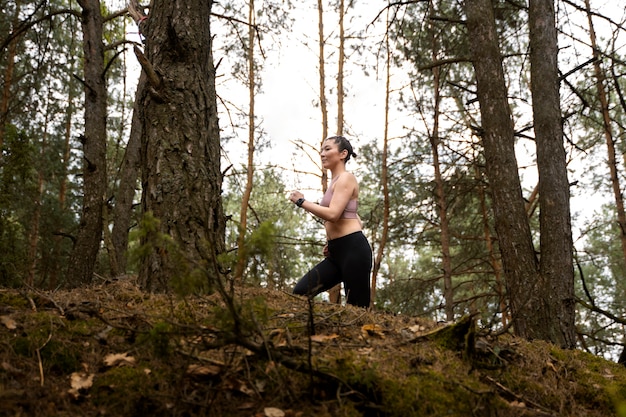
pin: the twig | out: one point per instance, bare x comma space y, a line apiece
538, 408
38, 350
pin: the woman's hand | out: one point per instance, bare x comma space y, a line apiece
295, 196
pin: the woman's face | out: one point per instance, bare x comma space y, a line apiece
330, 154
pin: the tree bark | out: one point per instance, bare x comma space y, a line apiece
181, 176
129, 175
520, 265
555, 321
83, 259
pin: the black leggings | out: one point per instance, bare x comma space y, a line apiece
349, 261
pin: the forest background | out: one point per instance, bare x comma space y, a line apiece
395, 78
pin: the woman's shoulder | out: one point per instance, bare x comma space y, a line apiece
346, 177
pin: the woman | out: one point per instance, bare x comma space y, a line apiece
348, 253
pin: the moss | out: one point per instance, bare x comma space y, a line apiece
158, 337
13, 299
56, 357
376, 392
59, 358
127, 391
83, 327
22, 346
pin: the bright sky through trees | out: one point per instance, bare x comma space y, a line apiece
287, 106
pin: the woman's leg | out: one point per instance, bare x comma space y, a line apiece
320, 278
353, 255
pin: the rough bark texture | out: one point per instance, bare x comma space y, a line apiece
83, 259
511, 223
181, 175
555, 321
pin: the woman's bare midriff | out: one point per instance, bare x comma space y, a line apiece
341, 228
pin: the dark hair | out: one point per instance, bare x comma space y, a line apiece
343, 143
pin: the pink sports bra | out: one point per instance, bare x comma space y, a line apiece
351, 208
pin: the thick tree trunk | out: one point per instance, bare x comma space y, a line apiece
511, 223
181, 175
83, 259
555, 321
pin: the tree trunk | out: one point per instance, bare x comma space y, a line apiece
608, 133
440, 196
63, 177
340, 64
181, 177
384, 176
494, 261
83, 259
322, 75
555, 321
8, 77
511, 223
245, 199
124, 198
334, 294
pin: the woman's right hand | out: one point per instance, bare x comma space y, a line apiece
295, 196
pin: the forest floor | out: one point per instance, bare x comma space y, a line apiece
112, 350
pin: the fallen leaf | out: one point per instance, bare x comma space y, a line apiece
119, 359
273, 412
372, 330
246, 406
244, 388
79, 381
203, 370
323, 338
8, 322
417, 328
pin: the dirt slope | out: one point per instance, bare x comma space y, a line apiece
111, 350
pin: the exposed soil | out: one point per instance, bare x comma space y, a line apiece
112, 350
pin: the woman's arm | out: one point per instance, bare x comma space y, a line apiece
344, 190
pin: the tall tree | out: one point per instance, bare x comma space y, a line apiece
83, 258
8, 73
600, 81
181, 177
384, 178
554, 318
245, 200
520, 264
334, 294
125, 196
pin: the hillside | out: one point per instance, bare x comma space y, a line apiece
111, 350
